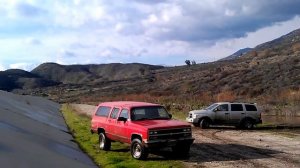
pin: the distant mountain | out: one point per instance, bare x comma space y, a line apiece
20, 79
79, 74
237, 54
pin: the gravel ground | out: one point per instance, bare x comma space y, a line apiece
228, 147
84, 109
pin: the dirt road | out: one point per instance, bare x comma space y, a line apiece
228, 147
231, 148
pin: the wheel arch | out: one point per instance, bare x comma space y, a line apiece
100, 130
246, 118
205, 117
136, 136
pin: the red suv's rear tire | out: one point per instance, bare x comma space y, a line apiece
104, 142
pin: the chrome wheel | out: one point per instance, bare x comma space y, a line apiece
104, 142
101, 141
137, 150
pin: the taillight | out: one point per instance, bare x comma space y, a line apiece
259, 115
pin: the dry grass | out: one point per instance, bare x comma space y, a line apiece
282, 103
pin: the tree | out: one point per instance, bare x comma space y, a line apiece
193, 62
188, 62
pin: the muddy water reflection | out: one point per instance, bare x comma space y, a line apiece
281, 120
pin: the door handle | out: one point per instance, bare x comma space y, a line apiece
226, 113
242, 113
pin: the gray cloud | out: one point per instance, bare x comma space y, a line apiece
28, 10
67, 54
144, 30
200, 21
33, 41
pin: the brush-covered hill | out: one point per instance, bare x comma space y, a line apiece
268, 68
80, 74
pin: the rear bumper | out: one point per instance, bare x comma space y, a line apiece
168, 143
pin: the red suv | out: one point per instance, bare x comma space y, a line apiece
144, 126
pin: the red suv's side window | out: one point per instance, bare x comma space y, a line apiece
103, 111
114, 113
124, 113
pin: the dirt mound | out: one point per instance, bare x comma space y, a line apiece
34, 134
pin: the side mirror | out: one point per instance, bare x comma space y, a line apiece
215, 110
122, 119
170, 115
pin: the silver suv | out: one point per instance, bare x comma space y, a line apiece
242, 115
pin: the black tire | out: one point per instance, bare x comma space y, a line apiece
196, 124
104, 142
247, 124
181, 150
138, 150
204, 123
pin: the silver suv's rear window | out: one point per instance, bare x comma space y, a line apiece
250, 107
236, 107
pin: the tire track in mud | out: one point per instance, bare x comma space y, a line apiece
232, 154
287, 159
243, 151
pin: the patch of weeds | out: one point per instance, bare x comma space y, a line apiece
118, 157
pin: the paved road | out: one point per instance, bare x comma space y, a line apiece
33, 134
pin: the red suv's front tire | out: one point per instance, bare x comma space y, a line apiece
138, 150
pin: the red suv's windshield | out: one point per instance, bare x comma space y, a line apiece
149, 113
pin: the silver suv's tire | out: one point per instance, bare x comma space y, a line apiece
204, 123
247, 124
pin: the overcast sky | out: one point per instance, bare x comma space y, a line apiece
165, 32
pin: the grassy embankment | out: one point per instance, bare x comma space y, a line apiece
119, 156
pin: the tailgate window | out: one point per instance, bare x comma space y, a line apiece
250, 107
